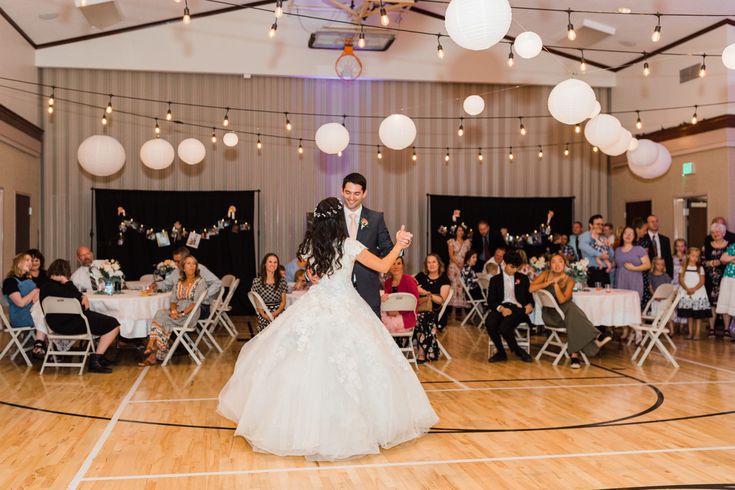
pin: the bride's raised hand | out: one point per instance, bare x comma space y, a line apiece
403, 238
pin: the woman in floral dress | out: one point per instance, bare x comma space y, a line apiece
458, 248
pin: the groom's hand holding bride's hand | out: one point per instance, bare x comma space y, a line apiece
403, 238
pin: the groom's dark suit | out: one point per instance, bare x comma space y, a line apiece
371, 232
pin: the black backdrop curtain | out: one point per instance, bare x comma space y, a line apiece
225, 253
519, 214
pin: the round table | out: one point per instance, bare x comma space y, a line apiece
612, 308
133, 310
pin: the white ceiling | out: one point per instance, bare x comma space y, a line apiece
48, 21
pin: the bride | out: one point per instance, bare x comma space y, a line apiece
326, 380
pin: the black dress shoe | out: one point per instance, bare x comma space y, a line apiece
498, 357
95, 365
523, 355
107, 362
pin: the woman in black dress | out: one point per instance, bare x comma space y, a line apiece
435, 282
106, 327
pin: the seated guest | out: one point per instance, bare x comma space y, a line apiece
21, 292
105, 327
172, 279
399, 282
184, 296
510, 302
434, 283
470, 277
497, 258
292, 267
282, 271
85, 278
271, 286
300, 283
581, 334
491, 269
37, 272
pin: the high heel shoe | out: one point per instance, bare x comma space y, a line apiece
151, 346
151, 360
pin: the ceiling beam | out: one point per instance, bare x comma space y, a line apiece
20, 31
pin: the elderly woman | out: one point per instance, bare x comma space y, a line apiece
714, 268
21, 291
272, 287
581, 334
105, 327
399, 282
434, 284
184, 296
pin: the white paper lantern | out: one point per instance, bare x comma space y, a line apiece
474, 105
728, 56
571, 101
191, 151
528, 45
603, 130
477, 24
397, 131
332, 138
644, 155
620, 146
157, 153
101, 155
596, 110
633, 144
659, 167
230, 139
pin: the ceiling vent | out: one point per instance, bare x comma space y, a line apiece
689, 73
335, 39
100, 13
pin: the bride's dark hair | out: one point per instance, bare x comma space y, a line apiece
322, 247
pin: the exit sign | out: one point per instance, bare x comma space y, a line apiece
687, 168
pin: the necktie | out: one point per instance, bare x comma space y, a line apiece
655, 246
485, 248
92, 280
353, 226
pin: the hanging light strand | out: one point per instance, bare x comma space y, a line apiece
571, 33
187, 15
656, 36
439, 47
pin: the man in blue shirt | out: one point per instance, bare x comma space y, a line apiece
594, 246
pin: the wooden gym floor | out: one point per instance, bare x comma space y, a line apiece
513, 425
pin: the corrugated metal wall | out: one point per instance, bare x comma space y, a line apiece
292, 185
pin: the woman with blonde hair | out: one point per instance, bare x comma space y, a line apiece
21, 292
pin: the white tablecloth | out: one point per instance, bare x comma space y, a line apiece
134, 311
616, 307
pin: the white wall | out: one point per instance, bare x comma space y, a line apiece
18, 61
238, 43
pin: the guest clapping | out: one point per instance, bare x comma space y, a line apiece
271, 286
433, 283
399, 282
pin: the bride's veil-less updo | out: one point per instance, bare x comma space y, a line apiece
322, 247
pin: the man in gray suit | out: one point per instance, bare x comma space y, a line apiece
367, 227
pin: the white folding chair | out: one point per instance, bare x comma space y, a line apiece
231, 282
53, 305
548, 301
257, 301
652, 332
20, 337
182, 334
402, 302
476, 304
206, 325
146, 278
441, 313
660, 295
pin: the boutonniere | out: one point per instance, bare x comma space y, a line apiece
518, 281
363, 223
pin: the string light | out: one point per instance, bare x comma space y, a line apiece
361, 37
414, 157
214, 136
439, 48
51, 101
288, 123
638, 122
258, 144
380, 154
301, 147
460, 131
187, 14
109, 105
566, 150
656, 36
169, 114
384, 20
694, 116
446, 157
577, 128
522, 128
479, 154
104, 119
339, 153
595, 149
703, 67
540, 152
273, 29
510, 56
279, 9
157, 128
510, 154
646, 69
583, 65
571, 34
226, 120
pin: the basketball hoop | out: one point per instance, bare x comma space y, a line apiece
348, 66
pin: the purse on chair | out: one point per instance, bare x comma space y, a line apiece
425, 304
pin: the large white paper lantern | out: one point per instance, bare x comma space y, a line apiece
474, 105
191, 151
659, 167
571, 101
620, 146
230, 139
101, 155
397, 131
633, 145
603, 130
157, 153
645, 154
332, 138
728, 56
477, 24
596, 109
528, 45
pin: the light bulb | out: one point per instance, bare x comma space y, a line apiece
446, 157
361, 39
50, 109
571, 34
439, 48
595, 149
187, 16
279, 9
109, 106
414, 157
510, 59
479, 154
51, 97
522, 128
169, 114
214, 136
157, 129
638, 122
702, 68
646, 69
577, 128
656, 36
104, 119
566, 150
540, 152
384, 20
301, 148
288, 123
274, 28
226, 120
694, 116
510, 154
259, 145
583, 65
380, 155
339, 153
460, 131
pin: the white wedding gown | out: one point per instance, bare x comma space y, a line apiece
325, 380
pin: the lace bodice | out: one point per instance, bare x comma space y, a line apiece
342, 276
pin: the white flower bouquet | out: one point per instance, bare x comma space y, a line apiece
110, 271
579, 271
538, 264
164, 268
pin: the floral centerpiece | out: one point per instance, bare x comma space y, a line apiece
164, 268
539, 264
111, 275
578, 272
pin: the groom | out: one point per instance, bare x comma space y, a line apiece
367, 227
